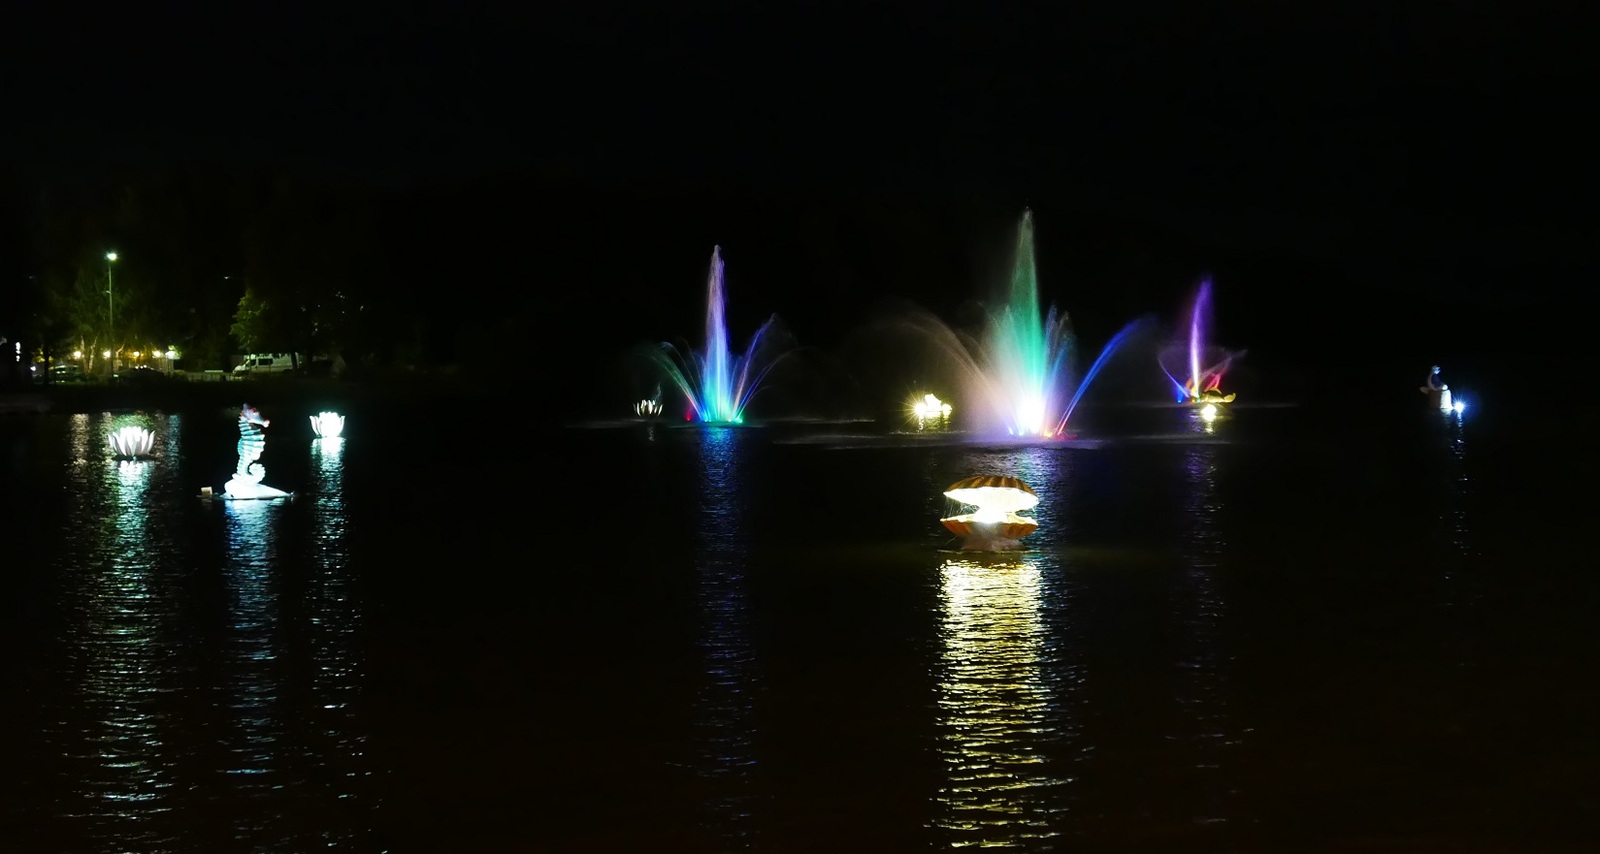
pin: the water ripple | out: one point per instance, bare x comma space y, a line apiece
1003, 706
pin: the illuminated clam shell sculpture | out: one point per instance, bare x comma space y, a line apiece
132, 442
327, 425
993, 523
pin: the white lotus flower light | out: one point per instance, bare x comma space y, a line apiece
647, 407
132, 442
328, 425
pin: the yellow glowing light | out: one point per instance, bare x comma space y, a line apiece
1208, 412
77, 354
106, 353
930, 406
136, 354
171, 354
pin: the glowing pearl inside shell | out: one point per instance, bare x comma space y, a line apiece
327, 425
994, 522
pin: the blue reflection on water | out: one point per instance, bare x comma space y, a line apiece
336, 726
116, 733
724, 702
256, 731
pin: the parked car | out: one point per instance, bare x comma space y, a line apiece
67, 373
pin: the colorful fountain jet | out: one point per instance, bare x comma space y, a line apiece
1027, 356
1201, 366
717, 383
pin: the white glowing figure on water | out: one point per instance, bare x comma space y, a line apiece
327, 425
132, 442
994, 524
246, 480
647, 408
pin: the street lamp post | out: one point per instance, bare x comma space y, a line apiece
111, 308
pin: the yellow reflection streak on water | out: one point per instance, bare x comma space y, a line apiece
724, 703
996, 708
1206, 664
122, 640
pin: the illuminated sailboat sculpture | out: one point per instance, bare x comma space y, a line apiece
246, 481
993, 524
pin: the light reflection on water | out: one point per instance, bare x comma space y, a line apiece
116, 728
1452, 519
724, 702
336, 728
184, 727
255, 731
1004, 707
1209, 735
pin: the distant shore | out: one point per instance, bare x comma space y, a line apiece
271, 392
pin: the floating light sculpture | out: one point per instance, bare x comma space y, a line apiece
327, 425
132, 442
1439, 393
994, 523
930, 410
246, 481
647, 408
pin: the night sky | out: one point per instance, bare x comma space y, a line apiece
1339, 170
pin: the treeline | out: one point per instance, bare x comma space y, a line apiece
554, 279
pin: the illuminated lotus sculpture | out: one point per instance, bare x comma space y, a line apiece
327, 425
993, 523
930, 410
1201, 366
132, 442
246, 481
647, 408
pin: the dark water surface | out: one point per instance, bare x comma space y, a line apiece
1301, 631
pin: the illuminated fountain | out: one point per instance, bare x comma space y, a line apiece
246, 481
717, 383
993, 523
1201, 366
1018, 378
327, 425
132, 442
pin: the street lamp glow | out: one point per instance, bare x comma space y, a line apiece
106, 353
77, 354
111, 256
